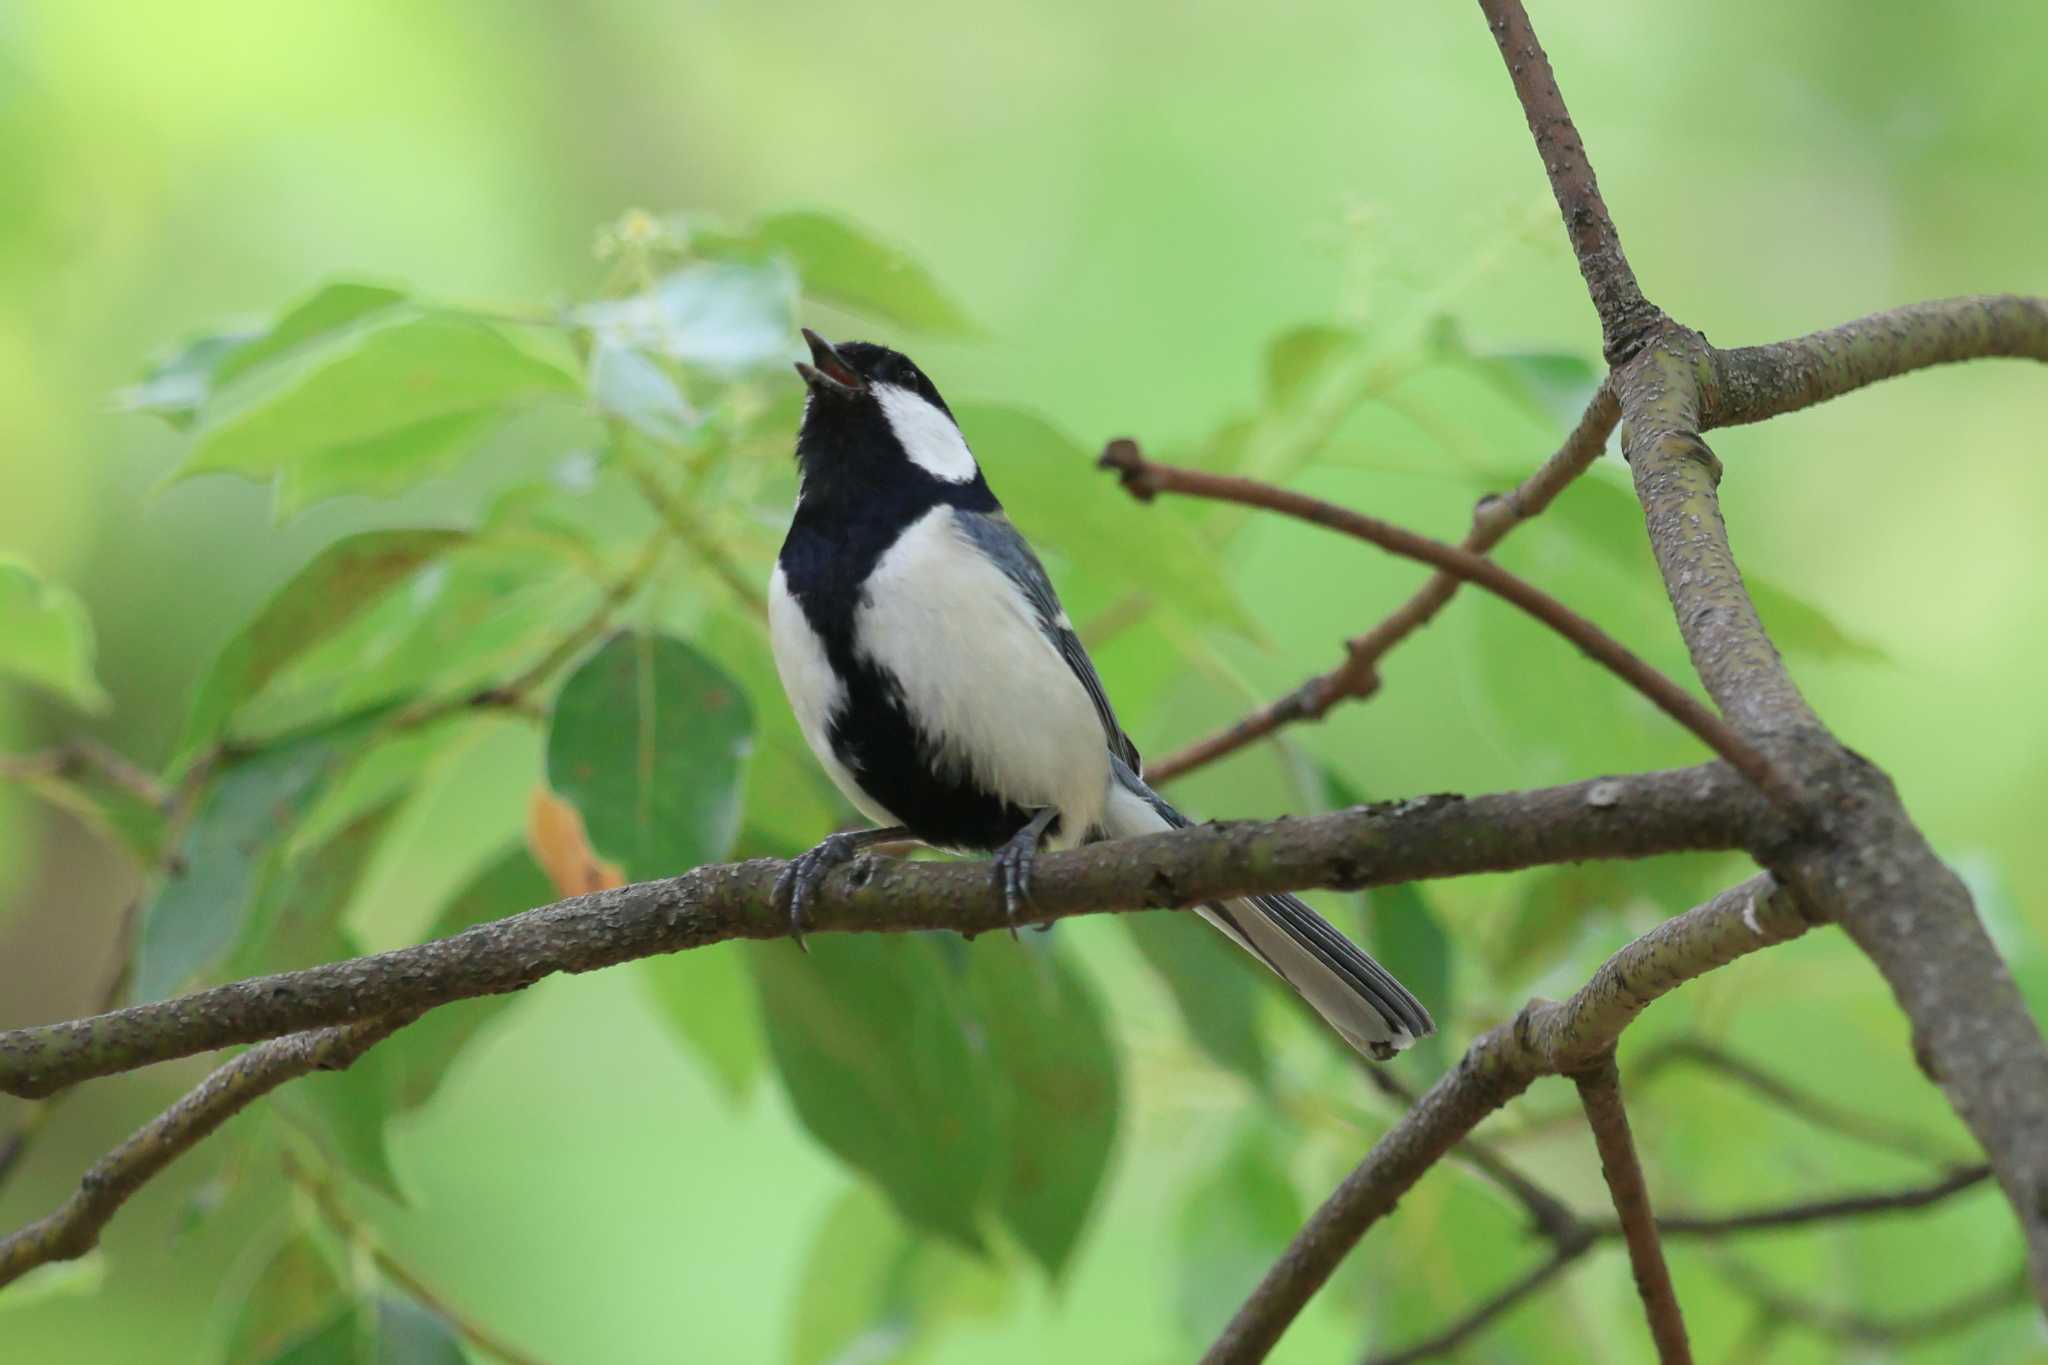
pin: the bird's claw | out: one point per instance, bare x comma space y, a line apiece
806, 872
1012, 872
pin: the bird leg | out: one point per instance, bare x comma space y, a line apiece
807, 871
1013, 864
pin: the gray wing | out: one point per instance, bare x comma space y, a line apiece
993, 534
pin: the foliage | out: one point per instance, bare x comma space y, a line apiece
976, 1094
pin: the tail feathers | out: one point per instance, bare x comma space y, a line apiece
1359, 998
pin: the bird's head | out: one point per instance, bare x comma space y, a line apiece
872, 416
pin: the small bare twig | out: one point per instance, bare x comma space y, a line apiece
1600, 1092
1814, 1210
74, 1228
1849, 1325
1145, 479
83, 754
1358, 676
1562, 1258
350, 1230
684, 523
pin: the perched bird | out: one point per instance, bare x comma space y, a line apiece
944, 690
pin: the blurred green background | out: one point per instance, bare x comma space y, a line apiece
1130, 201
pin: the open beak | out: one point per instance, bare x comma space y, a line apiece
827, 373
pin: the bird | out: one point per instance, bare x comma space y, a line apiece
938, 681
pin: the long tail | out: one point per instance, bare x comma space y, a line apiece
1358, 997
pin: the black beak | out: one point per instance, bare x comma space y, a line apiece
828, 373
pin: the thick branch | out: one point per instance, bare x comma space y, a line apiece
74, 1229
1627, 319
1440, 836
1760, 382
1600, 1092
1544, 1039
1358, 675
1145, 479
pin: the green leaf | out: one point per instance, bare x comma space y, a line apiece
46, 637
409, 1333
343, 580
1299, 359
1056, 1075
870, 1033
1554, 385
1233, 1225
418, 1058
844, 266
478, 615
78, 1278
179, 386
1218, 998
649, 740
293, 1300
626, 384
199, 911
723, 317
1798, 625
295, 921
337, 1341
1059, 500
705, 999
870, 1292
375, 410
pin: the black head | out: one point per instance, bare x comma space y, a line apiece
873, 419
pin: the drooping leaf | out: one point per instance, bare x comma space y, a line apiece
648, 740
625, 383
1217, 996
845, 266
725, 317
294, 1297
46, 637
705, 999
870, 1034
1056, 1076
376, 409
177, 386
870, 1291
1233, 1225
561, 847
1058, 499
199, 911
344, 579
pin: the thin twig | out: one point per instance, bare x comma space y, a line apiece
1627, 319
1708, 807
1544, 1039
1600, 1092
83, 754
1145, 479
1814, 1210
1562, 1258
74, 1228
1358, 676
689, 528
345, 1225
1547, 1213
1821, 1113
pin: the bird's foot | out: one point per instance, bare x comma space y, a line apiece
807, 871
1013, 863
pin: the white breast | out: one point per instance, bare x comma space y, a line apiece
978, 676
814, 690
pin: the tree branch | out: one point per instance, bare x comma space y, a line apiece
1544, 1039
1814, 1210
1358, 675
74, 1228
1562, 1258
1755, 383
1627, 319
1849, 1325
1621, 817
1599, 1088
1145, 479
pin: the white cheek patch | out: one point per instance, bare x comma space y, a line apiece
928, 435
